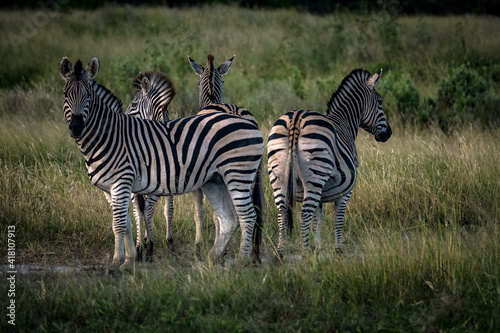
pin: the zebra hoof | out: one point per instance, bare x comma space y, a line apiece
127, 267
338, 251
214, 260
138, 258
113, 270
278, 258
198, 252
113, 273
170, 240
256, 257
149, 251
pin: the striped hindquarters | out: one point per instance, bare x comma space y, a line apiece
304, 145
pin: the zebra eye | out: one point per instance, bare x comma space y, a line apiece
133, 104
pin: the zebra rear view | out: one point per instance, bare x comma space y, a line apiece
211, 100
124, 154
312, 158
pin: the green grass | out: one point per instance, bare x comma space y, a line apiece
421, 232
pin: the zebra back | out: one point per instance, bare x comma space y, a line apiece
154, 92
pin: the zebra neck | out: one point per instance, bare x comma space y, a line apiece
106, 98
105, 111
346, 126
207, 100
210, 94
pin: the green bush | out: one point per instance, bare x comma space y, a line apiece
463, 87
462, 98
407, 98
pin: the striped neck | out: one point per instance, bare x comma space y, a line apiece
210, 85
104, 109
105, 99
347, 104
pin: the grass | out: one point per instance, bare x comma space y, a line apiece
421, 231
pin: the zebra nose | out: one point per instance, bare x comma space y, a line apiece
76, 126
384, 135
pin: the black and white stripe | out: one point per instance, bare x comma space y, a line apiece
211, 100
312, 158
154, 92
124, 154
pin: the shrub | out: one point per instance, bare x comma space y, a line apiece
463, 87
407, 98
462, 98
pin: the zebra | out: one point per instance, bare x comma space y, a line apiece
312, 158
124, 154
144, 106
154, 91
211, 99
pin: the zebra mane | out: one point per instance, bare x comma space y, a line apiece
211, 75
210, 59
78, 68
114, 103
160, 84
355, 78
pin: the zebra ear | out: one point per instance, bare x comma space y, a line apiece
92, 69
145, 85
224, 68
198, 69
65, 68
372, 81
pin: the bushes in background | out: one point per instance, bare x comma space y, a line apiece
463, 97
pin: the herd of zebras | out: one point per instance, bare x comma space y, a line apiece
312, 157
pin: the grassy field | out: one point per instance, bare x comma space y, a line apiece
421, 236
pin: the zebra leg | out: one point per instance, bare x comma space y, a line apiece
218, 196
308, 208
283, 211
318, 219
122, 226
282, 225
122, 248
149, 212
139, 218
128, 265
168, 211
199, 215
340, 206
243, 205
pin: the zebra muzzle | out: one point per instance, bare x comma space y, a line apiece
384, 135
76, 126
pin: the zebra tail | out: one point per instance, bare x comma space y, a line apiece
258, 202
291, 175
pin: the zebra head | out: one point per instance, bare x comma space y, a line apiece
154, 92
373, 118
211, 83
77, 93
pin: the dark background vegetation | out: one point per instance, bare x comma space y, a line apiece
433, 7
